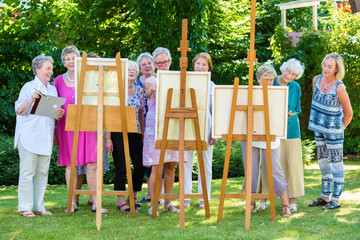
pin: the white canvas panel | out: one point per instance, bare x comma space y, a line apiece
111, 90
199, 81
278, 105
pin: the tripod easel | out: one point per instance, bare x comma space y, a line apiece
249, 137
181, 145
97, 118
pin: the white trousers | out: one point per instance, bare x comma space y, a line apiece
33, 178
208, 154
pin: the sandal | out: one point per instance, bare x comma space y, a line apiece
293, 207
121, 208
43, 213
168, 206
252, 208
137, 206
29, 214
73, 208
331, 205
262, 206
144, 200
103, 210
318, 202
201, 204
150, 212
286, 210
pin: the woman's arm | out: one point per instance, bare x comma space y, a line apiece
150, 89
142, 121
108, 142
26, 106
345, 104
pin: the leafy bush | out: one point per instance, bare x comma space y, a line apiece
308, 148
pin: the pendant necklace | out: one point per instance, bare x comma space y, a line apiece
325, 87
67, 75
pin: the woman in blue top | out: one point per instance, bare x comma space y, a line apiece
330, 114
290, 148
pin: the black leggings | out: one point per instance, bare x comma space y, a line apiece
136, 146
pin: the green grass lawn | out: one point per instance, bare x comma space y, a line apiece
307, 223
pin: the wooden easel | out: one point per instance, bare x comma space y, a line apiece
249, 137
97, 118
181, 145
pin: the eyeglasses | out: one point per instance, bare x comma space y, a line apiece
69, 59
163, 63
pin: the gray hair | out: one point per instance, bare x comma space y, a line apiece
266, 69
160, 50
145, 55
340, 74
38, 61
67, 50
134, 64
294, 65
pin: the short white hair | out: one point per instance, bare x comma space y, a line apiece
134, 64
161, 50
38, 61
67, 50
145, 55
294, 65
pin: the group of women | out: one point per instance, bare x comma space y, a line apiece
34, 135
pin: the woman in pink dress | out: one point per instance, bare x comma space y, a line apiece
86, 154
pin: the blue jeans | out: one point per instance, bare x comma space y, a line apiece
330, 157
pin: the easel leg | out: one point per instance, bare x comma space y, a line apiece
162, 155
248, 174
181, 171
73, 172
200, 155
128, 173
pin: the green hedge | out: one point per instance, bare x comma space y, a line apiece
9, 162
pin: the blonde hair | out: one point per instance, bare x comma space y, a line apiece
340, 74
266, 69
206, 56
134, 64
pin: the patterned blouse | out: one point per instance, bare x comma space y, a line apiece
137, 100
326, 114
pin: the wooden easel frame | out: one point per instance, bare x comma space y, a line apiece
78, 119
181, 145
249, 137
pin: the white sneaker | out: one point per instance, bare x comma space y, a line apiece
262, 206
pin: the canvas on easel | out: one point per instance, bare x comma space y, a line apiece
179, 110
199, 81
278, 105
97, 109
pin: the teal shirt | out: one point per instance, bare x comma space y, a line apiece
293, 128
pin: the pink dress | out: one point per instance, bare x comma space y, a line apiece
87, 140
150, 154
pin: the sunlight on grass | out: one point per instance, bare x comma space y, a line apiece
351, 195
8, 197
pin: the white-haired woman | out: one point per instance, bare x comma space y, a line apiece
34, 139
330, 114
87, 150
114, 142
290, 148
267, 72
150, 154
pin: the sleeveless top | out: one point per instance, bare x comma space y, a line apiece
326, 114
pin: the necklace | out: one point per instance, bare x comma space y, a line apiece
67, 75
325, 87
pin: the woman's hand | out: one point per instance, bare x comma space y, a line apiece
213, 141
59, 112
150, 90
108, 145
